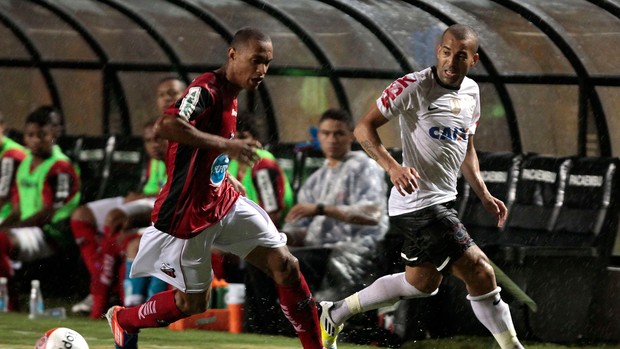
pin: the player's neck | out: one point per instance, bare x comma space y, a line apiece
222, 73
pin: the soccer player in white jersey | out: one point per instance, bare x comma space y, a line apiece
438, 109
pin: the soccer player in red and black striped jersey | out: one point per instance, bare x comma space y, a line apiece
200, 206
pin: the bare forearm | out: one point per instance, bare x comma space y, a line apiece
355, 214
177, 130
369, 139
39, 219
471, 171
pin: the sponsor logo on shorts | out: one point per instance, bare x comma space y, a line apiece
168, 270
460, 235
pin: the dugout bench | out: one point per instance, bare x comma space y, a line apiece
556, 243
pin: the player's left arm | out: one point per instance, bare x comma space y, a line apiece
471, 171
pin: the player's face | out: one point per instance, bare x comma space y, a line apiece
167, 93
249, 64
39, 140
335, 138
454, 59
154, 145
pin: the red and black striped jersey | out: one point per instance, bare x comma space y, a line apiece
197, 194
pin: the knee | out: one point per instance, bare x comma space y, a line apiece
84, 214
286, 270
482, 274
115, 219
132, 247
191, 304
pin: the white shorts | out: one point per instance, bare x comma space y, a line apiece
32, 244
101, 208
186, 263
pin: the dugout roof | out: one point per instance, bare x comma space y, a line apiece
549, 72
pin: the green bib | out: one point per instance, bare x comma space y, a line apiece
157, 177
8, 144
30, 187
252, 193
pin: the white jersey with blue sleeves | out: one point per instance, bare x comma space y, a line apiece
436, 122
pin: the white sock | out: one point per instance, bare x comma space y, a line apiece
385, 291
494, 314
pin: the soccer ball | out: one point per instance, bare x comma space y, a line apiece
61, 338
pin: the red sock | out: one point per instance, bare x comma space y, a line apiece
217, 264
85, 236
160, 310
100, 286
101, 282
300, 309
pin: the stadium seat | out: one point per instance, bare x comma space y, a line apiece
92, 152
125, 168
500, 172
538, 198
69, 144
585, 213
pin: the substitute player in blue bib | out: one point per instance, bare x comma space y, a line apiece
199, 207
438, 109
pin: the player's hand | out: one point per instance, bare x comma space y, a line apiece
244, 151
497, 208
300, 211
404, 179
236, 184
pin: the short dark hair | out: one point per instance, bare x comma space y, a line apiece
245, 34
338, 115
246, 122
463, 32
42, 116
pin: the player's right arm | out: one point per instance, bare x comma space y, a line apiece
176, 125
403, 178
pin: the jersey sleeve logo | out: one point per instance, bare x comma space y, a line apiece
395, 89
218, 169
189, 102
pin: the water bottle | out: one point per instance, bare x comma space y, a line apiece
37, 309
4, 295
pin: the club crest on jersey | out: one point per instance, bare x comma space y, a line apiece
218, 169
